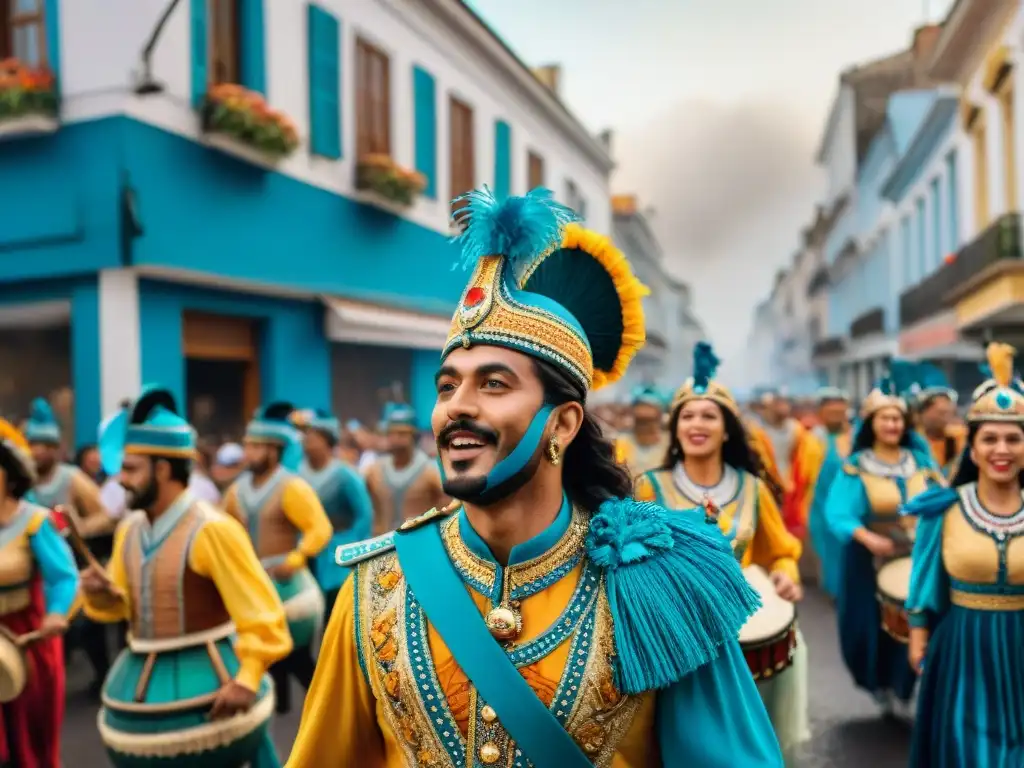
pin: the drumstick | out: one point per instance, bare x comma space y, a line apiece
29, 637
83, 549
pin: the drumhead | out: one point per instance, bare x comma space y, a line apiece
13, 676
775, 615
894, 579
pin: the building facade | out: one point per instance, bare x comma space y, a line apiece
146, 237
672, 325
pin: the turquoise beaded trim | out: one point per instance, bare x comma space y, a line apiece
358, 551
523, 591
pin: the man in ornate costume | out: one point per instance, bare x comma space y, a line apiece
289, 528
38, 582
935, 413
206, 623
404, 481
341, 490
548, 619
796, 456
645, 447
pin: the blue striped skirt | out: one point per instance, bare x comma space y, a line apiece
970, 710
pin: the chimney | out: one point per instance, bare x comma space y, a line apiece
624, 205
550, 76
925, 39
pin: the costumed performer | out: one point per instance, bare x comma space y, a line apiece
289, 528
644, 447
883, 472
710, 460
797, 457
935, 405
38, 583
966, 600
205, 621
548, 619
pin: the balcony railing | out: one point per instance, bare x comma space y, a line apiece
872, 321
832, 345
1000, 241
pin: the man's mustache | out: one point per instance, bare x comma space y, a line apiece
486, 434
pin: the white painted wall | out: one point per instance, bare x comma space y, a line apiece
120, 344
102, 40
841, 149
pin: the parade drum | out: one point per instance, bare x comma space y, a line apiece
893, 586
13, 672
157, 700
768, 639
303, 607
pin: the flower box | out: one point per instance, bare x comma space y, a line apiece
380, 180
28, 100
239, 122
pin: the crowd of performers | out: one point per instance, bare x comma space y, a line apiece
583, 602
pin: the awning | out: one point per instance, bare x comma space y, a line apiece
357, 323
39, 314
963, 351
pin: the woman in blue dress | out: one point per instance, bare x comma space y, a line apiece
884, 471
966, 600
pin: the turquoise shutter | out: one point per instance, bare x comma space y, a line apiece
51, 13
502, 159
324, 43
254, 59
425, 101
200, 53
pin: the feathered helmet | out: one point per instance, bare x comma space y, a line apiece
274, 424
647, 394
931, 382
888, 392
1001, 398
14, 450
702, 385
544, 286
151, 426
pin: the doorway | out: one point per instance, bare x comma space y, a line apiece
222, 381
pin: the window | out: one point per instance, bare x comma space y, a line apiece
574, 199
22, 31
373, 100
225, 61
922, 240
936, 195
534, 171
1005, 96
462, 149
908, 251
979, 141
952, 200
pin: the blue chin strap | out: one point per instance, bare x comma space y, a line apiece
507, 469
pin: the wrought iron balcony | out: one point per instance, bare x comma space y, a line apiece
1000, 241
872, 321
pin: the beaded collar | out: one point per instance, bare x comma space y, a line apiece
869, 462
722, 493
999, 526
533, 565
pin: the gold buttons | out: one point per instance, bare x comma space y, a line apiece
487, 714
489, 753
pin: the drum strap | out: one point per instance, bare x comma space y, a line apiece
441, 593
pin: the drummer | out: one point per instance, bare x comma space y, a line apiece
32, 555
710, 462
289, 528
222, 594
884, 470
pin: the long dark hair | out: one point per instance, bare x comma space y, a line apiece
590, 472
966, 469
19, 482
865, 437
736, 450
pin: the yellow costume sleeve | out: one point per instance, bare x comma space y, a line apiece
809, 457
774, 548
643, 489
339, 722
302, 507
106, 608
223, 553
94, 520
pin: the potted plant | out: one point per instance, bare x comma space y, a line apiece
28, 99
240, 122
382, 177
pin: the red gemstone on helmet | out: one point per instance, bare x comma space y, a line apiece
474, 296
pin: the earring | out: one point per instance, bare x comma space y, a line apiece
554, 451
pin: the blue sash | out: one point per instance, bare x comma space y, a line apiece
440, 591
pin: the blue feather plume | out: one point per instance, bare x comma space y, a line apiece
41, 412
902, 376
930, 376
705, 364
518, 228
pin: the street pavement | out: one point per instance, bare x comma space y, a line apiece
847, 731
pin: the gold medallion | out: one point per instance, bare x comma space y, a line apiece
504, 623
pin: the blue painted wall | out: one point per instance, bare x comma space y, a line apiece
82, 294
294, 354
422, 392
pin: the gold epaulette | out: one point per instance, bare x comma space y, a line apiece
851, 469
426, 517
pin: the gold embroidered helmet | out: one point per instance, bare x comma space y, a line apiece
1000, 398
702, 385
546, 287
886, 393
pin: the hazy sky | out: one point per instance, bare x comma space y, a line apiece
718, 107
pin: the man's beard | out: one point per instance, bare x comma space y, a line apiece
474, 489
259, 468
143, 498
